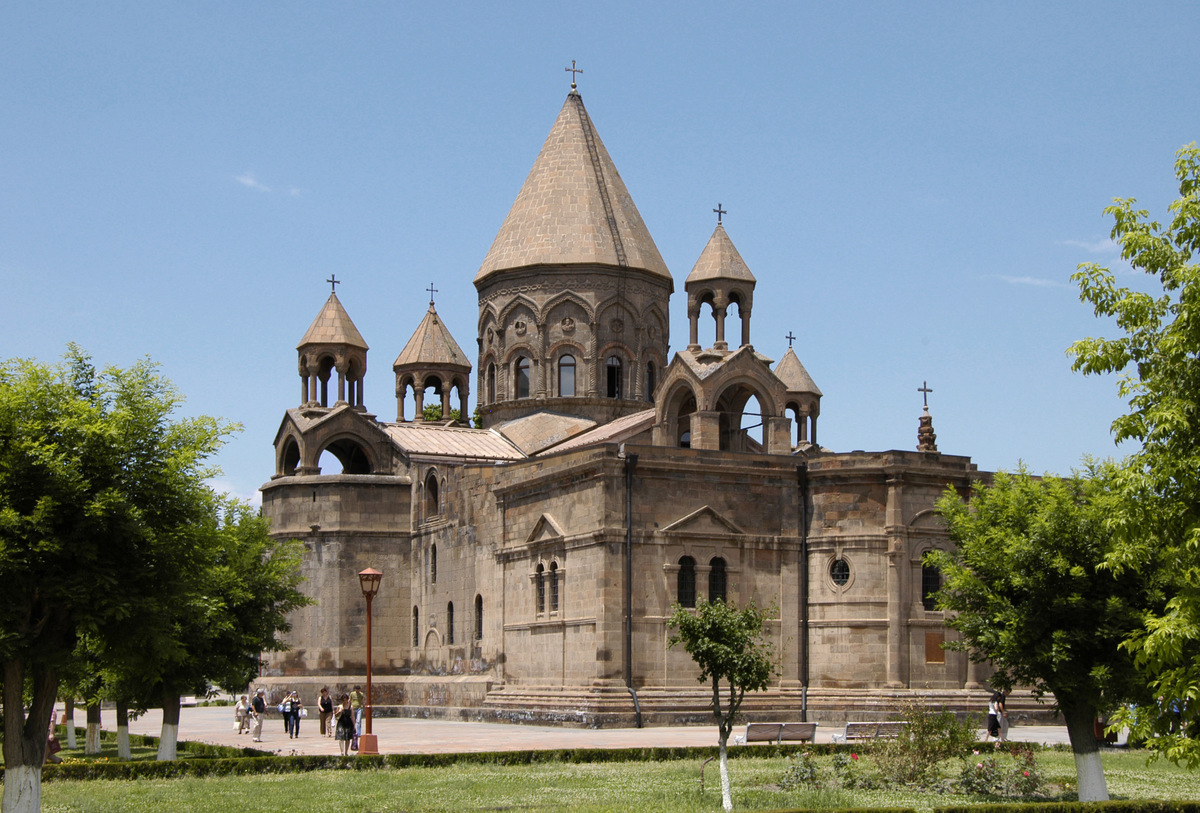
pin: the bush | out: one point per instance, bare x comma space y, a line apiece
928, 738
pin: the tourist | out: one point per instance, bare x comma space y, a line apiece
356, 703
325, 707
298, 711
344, 727
995, 716
285, 711
241, 714
258, 708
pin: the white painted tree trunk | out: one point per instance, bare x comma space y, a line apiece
168, 740
123, 751
1090, 772
69, 722
726, 792
22, 789
91, 741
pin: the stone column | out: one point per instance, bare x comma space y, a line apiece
720, 308
897, 587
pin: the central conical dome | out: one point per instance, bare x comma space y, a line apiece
573, 208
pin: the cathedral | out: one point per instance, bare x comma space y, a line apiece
531, 556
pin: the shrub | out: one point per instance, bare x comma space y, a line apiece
802, 771
927, 738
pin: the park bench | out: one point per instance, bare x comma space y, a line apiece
870, 731
777, 733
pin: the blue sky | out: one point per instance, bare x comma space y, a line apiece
911, 184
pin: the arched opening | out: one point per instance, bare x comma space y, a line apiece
290, 457
612, 367
554, 587
491, 383
478, 618
433, 505
742, 423
566, 376
651, 380
416, 635
717, 581
324, 368
539, 578
433, 564
521, 377
450, 622
350, 456
683, 422
685, 582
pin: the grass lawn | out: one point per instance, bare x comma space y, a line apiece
579, 788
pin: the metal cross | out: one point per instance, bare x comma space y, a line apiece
924, 388
790, 339
720, 212
333, 281
573, 70
432, 291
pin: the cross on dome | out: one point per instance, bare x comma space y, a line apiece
573, 70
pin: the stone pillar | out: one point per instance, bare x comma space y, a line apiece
745, 314
897, 587
341, 392
418, 401
706, 430
719, 311
778, 435
693, 326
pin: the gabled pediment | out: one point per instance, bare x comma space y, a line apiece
546, 529
704, 521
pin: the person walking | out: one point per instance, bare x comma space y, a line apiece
258, 708
241, 714
297, 712
285, 709
344, 728
325, 707
995, 718
356, 703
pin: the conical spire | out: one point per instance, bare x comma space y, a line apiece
793, 375
573, 208
333, 326
432, 346
720, 260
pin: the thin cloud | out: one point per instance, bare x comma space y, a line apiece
1105, 246
247, 179
229, 489
1035, 282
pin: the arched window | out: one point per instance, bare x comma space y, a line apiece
491, 384
540, 586
449, 622
613, 367
685, 584
554, 587
433, 564
931, 583
839, 571
521, 379
651, 381
716, 580
566, 377
478, 618
416, 631
433, 505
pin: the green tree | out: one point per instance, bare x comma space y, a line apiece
1027, 588
728, 645
96, 475
433, 412
1157, 522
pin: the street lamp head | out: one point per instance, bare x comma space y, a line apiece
369, 580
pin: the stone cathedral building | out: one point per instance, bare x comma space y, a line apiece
530, 564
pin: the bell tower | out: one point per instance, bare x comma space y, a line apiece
332, 344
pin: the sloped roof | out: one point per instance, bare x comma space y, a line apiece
333, 326
538, 431
617, 431
720, 260
436, 440
573, 208
432, 345
793, 375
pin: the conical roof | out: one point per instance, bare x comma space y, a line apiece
333, 326
793, 375
432, 346
720, 260
573, 208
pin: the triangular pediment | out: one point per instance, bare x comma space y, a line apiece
705, 521
545, 529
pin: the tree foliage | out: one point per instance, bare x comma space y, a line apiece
1157, 520
729, 645
1028, 591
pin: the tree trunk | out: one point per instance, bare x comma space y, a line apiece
25, 737
168, 741
123, 751
69, 721
91, 743
726, 792
1089, 771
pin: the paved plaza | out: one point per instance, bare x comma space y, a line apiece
214, 724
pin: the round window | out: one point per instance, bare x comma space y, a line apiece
839, 571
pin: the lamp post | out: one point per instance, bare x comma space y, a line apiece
369, 581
